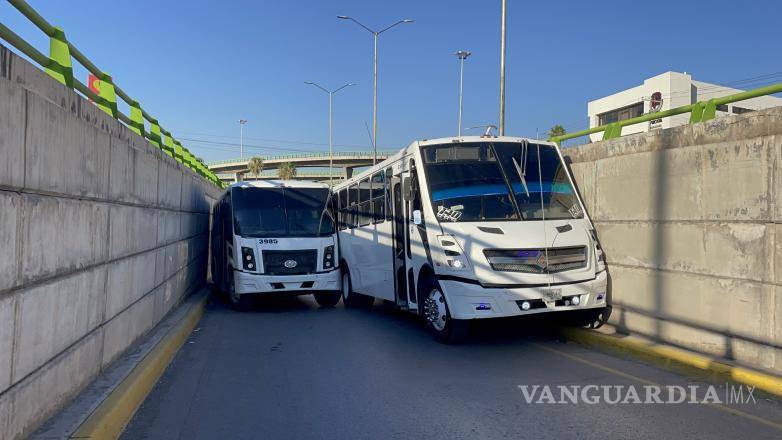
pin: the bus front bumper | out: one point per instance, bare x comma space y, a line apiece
246, 283
473, 301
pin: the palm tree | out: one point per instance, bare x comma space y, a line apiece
287, 171
557, 130
255, 165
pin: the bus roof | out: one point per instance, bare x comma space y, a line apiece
276, 183
436, 141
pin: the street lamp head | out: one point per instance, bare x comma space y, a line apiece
242, 121
407, 20
343, 17
462, 54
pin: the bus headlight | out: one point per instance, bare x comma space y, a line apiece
328, 257
248, 258
453, 253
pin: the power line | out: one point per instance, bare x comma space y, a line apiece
270, 140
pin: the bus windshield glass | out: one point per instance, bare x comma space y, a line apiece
281, 212
496, 181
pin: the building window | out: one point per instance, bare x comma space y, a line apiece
621, 114
722, 108
739, 110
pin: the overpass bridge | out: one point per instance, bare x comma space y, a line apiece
344, 162
104, 264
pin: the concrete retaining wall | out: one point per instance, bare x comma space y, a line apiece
100, 236
690, 219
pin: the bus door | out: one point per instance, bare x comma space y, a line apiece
399, 234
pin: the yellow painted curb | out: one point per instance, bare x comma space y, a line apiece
114, 413
674, 358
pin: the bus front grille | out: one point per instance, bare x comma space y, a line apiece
282, 262
537, 261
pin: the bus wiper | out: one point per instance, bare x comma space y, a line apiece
522, 172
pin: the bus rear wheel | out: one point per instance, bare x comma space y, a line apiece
350, 298
327, 299
439, 321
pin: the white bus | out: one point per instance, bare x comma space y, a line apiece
275, 237
456, 229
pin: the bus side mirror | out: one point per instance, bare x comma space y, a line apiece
417, 220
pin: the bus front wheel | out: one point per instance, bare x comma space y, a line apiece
327, 299
350, 298
439, 321
238, 302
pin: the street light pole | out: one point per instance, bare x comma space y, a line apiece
241, 137
502, 72
331, 99
375, 34
462, 55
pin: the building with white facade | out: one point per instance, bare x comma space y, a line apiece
663, 92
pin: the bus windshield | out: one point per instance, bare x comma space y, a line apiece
281, 212
494, 181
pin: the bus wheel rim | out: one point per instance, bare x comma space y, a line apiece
435, 310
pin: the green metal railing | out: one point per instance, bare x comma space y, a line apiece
59, 66
699, 112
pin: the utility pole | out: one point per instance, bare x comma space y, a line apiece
502, 71
241, 137
462, 55
375, 34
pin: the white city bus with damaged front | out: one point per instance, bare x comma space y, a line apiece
457, 229
275, 236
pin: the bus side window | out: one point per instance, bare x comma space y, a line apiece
364, 194
343, 200
378, 198
352, 206
387, 185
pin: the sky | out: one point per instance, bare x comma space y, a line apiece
200, 66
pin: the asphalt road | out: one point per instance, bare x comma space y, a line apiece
291, 370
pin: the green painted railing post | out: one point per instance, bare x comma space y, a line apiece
136, 119
60, 66
154, 133
178, 152
612, 131
168, 144
108, 97
697, 112
709, 111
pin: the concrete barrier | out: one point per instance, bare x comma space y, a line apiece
690, 218
101, 235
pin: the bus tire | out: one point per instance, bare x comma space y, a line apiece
239, 303
438, 318
327, 299
351, 299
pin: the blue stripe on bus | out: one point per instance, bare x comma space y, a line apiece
500, 189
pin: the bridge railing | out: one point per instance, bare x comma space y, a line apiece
60, 67
700, 111
324, 155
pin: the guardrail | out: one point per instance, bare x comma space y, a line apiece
325, 155
59, 66
699, 112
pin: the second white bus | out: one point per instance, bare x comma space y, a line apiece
457, 229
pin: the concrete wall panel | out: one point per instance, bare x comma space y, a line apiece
55, 315
7, 325
10, 209
123, 329
12, 123
63, 154
42, 394
132, 229
61, 235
